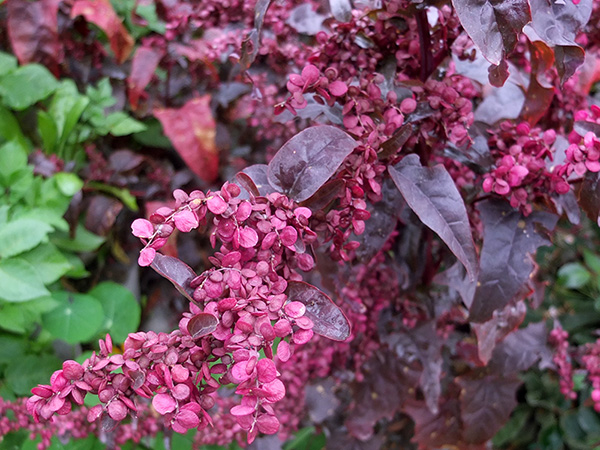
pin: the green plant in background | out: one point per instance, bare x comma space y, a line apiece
38, 248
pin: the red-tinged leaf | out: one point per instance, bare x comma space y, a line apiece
509, 241
308, 160
498, 74
144, 63
102, 14
328, 319
521, 350
432, 194
493, 26
33, 32
177, 272
502, 323
540, 91
588, 196
395, 143
486, 403
325, 195
202, 324
557, 24
192, 131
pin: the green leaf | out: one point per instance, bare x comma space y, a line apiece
121, 124
592, 261
22, 317
153, 136
77, 267
48, 131
588, 421
20, 281
15, 440
50, 263
68, 183
306, 439
10, 129
51, 216
121, 309
84, 240
573, 275
8, 63
121, 193
77, 318
511, 430
26, 86
13, 158
11, 347
21, 235
28, 371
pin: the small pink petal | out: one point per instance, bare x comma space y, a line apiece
164, 403
338, 88
267, 424
146, 256
248, 237
241, 410
185, 221
266, 370
117, 410
94, 413
187, 419
142, 228
283, 351
216, 204
295, 309
288, 236
72, 370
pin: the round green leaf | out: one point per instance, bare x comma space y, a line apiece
28, 371
77, 318
20, 281
121, 309
68, 183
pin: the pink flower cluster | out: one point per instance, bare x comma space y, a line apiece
240, 309
559, 339
522, 166
591, 361
583, 153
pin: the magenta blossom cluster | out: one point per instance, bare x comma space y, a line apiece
239, 310
559, 339
591, 361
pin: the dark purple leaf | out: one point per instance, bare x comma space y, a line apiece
557, 24
494, 330
202, 324
421, 343
521, 349
378, 395
329, 320
304, 19
102, 211
107, 424
486, 403
582, 128
498, 74
138, 377
254, 180
588, 196
502, 103
308, 160
509, 241
325, 195
394, 144
381, 224
321, 401
493, 25
177, 272
432, 195
251, 43
567, 204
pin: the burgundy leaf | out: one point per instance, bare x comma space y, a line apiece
498, 74
102, 14
395, 143
588, 196
328, 319
202, 324
102, 213
521, 349
192, 131
582, 128
144, 63
254, 180
494, 330
432, 195
308, 160
486, 403
557, 24
33, 32
540, 91
509, 240
177, 272
493, 25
